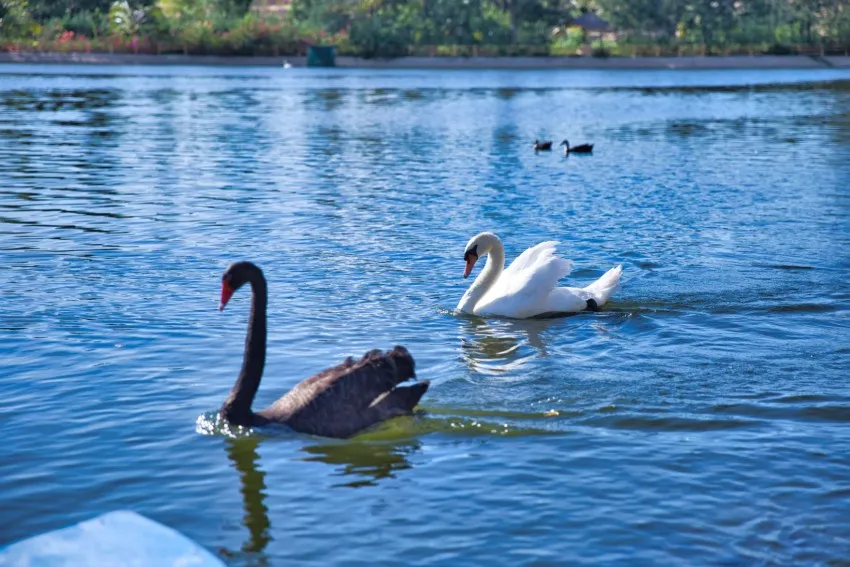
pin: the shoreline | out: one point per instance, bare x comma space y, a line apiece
506, 63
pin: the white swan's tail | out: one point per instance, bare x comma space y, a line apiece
606, 286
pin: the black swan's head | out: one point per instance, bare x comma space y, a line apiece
234, 277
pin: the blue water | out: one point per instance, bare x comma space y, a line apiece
701, 418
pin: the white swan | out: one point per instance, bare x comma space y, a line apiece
527, 287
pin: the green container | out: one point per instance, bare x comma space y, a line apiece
321, 56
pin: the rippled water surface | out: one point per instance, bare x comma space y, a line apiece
703, 417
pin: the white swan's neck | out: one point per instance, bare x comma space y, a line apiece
485, 280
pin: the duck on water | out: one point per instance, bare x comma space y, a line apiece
337, 402
580, 149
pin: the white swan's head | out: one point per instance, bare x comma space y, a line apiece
478, 246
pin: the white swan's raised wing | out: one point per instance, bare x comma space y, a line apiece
528, 258
523, 289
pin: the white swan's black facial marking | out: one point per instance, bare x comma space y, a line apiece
470, 257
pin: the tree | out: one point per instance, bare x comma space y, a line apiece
14, 17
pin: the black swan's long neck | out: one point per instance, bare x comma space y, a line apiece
238, 404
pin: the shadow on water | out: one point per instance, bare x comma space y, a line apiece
60, 99
81, 133
325, 99
770, 87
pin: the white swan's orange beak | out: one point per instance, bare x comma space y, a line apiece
470, 263
226, 294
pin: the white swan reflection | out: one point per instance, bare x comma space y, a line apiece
502, 346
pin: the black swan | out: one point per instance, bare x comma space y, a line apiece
580, 149
337, 402
544, 146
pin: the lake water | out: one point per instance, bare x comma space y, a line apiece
702, 418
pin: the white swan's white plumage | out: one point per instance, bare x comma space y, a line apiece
528, 287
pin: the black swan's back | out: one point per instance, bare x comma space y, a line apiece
351, 396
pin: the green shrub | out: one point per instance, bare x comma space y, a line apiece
378, 36
88, 23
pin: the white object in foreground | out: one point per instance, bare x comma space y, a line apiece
117, 538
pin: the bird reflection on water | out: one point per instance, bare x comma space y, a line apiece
498, 347
243, 453
366, 462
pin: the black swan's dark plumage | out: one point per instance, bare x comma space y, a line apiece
337, 402
545, 146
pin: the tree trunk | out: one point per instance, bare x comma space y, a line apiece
514, 30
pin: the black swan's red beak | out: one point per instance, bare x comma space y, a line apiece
226, 294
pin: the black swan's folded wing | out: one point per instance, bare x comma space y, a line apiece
351, 396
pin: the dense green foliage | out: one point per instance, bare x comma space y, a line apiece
435, 27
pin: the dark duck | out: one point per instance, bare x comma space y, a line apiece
580, 149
